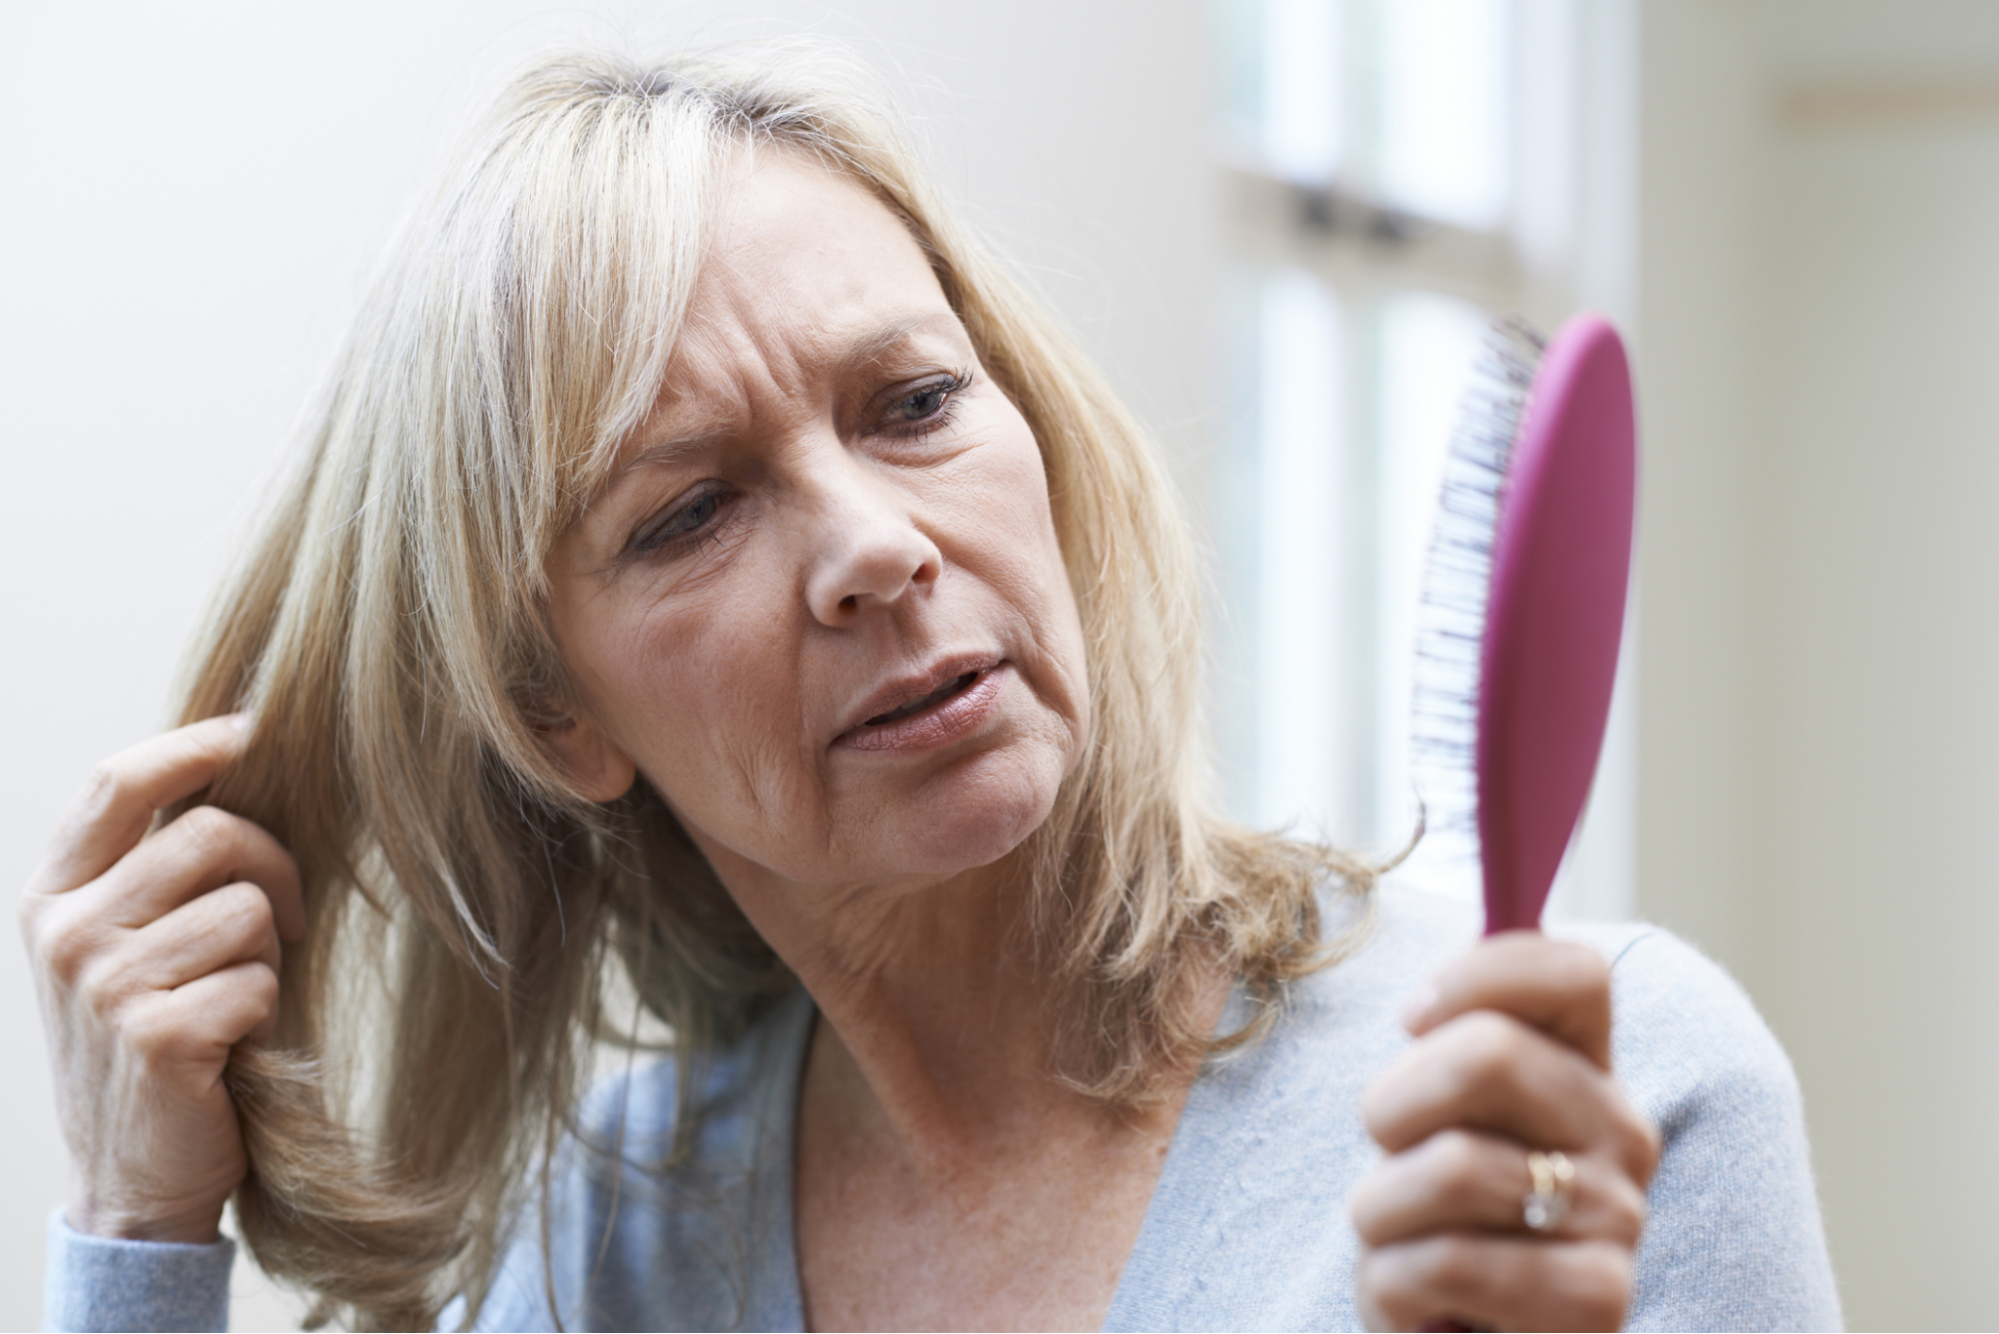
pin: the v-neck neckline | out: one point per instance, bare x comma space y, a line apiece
774, 1188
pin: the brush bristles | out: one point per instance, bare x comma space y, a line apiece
1457, 580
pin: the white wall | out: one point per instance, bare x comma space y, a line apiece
1818, 352
191, 191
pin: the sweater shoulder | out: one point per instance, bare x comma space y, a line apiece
1685, 1033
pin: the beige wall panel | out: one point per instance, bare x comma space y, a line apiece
1879, 764
1817, 349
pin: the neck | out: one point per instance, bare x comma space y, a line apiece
938, 1029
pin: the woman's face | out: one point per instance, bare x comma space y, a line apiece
820, 604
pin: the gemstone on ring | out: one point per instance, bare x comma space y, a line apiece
1554, 1178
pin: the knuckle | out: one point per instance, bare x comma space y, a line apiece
64, 946
1453, 1264
208, 825
1651, 1143
92, 979
1457, 1153
150, 1032
102, 985
207, 830
1494, 1045
1493, 1029
243, 909
1637, 1140
1625, 1212
160, 1034
103, 792
1602, 1286
1386, 1097
1458, 1166
1386, 1281
1364, 1206
1580, 970
1595, 1312
259, 985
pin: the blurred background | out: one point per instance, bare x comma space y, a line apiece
1280, 225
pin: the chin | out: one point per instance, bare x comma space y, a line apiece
979, 813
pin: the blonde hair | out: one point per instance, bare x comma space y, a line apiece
387, 626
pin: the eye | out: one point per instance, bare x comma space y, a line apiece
684, 522
925, 408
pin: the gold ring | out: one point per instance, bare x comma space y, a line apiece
1554, 1179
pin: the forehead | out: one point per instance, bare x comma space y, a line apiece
780, 201
806, 275
809, 287
802, 259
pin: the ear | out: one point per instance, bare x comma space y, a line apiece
595, 764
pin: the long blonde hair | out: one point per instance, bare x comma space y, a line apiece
467, 910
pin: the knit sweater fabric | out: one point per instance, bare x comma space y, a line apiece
1248, 1227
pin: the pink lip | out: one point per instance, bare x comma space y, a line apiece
958, 713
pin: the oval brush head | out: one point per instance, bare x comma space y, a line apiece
1561, 563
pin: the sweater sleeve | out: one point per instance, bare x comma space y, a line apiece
1734, 1239
97, 1283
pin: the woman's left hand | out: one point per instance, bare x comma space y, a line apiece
1512, 1059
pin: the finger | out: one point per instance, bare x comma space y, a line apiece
1489, 1072
181, 1039
1557, 986
193, 1026
1459, 1180
230, 925
110, 814
1465, 1280
202, 850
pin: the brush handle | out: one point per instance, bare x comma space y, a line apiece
1561, 565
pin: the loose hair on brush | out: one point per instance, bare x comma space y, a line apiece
470, 916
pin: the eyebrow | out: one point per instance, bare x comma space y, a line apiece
867, 350
871, 348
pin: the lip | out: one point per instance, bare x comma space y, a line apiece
957, 714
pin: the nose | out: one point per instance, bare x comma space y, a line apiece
867, 547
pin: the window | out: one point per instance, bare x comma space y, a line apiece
1400, 172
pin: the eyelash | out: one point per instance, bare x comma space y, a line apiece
950, 387
654, 539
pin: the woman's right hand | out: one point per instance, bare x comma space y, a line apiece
154, 954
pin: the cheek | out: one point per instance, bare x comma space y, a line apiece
996, 518
694, 690
1004, 532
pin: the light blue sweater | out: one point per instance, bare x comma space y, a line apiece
1248, 1227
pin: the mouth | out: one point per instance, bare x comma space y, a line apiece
957, 685
950, 701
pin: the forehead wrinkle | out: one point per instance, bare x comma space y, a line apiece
695, 424
710, 427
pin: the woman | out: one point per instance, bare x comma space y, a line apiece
714, 595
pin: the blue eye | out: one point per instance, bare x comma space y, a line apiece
926, 402
685, 522
927, 408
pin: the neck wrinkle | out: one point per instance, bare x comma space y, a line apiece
936, 1031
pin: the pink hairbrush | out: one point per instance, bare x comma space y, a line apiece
1524, 599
